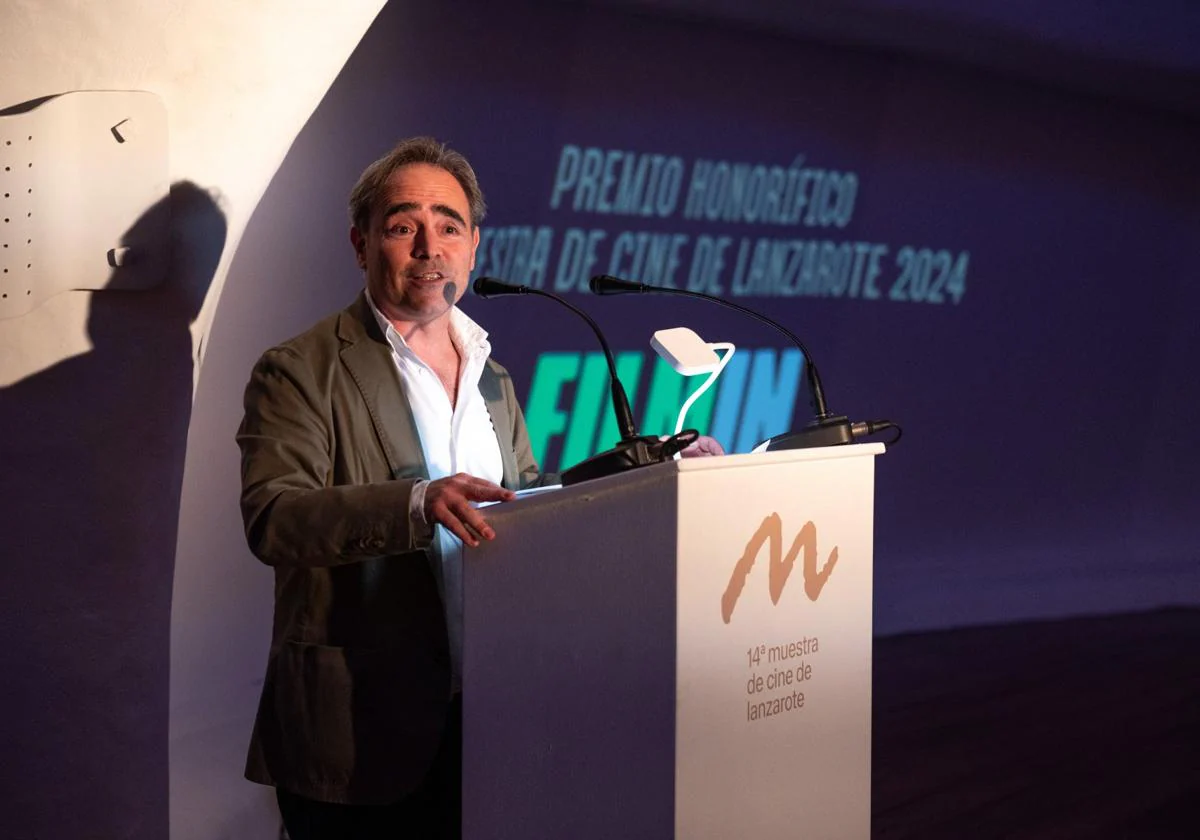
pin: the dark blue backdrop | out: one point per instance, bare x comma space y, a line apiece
1045, 467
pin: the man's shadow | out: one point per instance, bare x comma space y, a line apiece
91, 463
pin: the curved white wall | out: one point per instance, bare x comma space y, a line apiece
95, 399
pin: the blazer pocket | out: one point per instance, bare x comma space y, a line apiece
351, 716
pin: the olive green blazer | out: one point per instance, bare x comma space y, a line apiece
357, 684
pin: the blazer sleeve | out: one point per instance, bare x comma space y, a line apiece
294, 514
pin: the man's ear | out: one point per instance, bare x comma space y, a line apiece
360, 247
474, 247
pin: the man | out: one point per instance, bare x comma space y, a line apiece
360, 435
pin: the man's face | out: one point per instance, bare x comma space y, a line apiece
420, 246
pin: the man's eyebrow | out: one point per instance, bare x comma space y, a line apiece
447, 210
409, 206
402, 207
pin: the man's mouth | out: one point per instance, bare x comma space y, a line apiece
428, 277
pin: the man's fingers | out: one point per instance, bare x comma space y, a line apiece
476, 489
474, 522
463, 521
460, 529
702, 446
449, 503
479, 490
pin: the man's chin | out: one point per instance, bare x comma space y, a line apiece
419, 309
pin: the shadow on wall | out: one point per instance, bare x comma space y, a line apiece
91, 463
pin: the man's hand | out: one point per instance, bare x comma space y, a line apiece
701, 446
448, 502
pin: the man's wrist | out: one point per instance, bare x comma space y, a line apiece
422, 530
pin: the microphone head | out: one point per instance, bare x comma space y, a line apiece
606, 284
487, 287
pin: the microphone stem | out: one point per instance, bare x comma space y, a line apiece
620, 399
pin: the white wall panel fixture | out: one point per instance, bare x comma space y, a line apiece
77, 173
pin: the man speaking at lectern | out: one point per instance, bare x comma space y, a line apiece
359, 436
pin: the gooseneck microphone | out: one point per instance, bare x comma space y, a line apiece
824, 429
490, 287
633, 450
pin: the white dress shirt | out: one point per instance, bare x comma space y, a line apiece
454, 439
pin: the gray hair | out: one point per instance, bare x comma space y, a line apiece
365, 194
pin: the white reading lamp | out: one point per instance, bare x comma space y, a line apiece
690, 355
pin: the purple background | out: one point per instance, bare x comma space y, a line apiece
1046, 416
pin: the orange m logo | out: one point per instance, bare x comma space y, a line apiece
780, 566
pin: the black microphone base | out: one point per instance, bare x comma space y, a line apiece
629, 454
832, 431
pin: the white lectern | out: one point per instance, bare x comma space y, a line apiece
679, 651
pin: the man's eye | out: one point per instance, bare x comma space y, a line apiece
451, 228
399, 230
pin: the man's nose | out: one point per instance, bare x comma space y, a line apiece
424, 245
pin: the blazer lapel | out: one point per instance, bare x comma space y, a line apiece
493, 398
368, 358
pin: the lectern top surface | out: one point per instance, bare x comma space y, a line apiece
529, 501
822, 453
